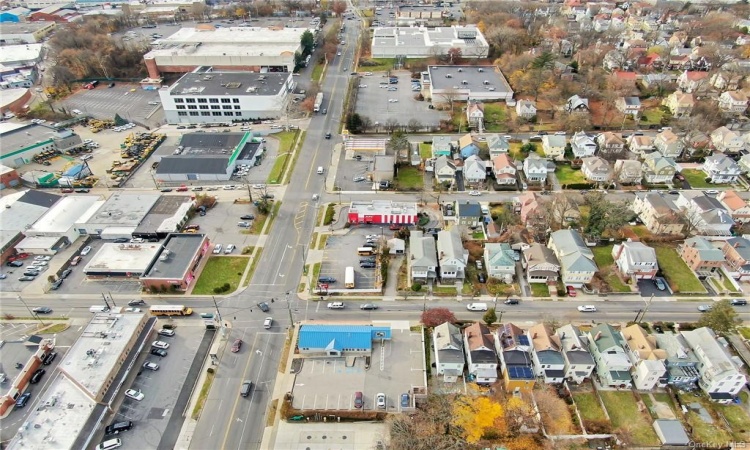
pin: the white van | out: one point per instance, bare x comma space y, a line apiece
477, 306
320, 170
98, 309
110, 444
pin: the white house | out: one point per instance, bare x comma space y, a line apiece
582, 145
658, 169
546, 353
733, 102
706, 213
423, 262
452, 257
504, 170
525, 109
578, 362
612, 363
640, 144
719, 376
481, 358
475, 170
535, 169
449, 351
475, 116
628, 171
721, 169
647, 359
497, 144
596, 169
445, 170
499, 261
668, 144
727, 141
635, 260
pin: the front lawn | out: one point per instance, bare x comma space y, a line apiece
539, 289
697, 179
218, 271
409, 179
624, 414
607, 268
678, 274
566, 175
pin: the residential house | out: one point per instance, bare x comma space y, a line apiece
469, 213
693, 81
719, 376
475, 171
696, 141
449, 351
452, 257
475, 116
578, 361
423, 262
640, 144
658, 213
736, 252
541, 264
733, 102
497, 144
612, 363
635, 260
700, 256
596, 169
668, 144
646, 357
498, 258
705, 214
577, 104
630, 106
535, 169
721, 169
546, 353
679, 61
504, 170
582, 145
680, 104
577, 265
554, 146
481, 359
516, 364
628, 171
610, 143
445, 170
727, 141
613, 60
467, 147
526, 109
681, 362
735, 205
658, 169
744, 164
726, 81
441, 146
525, 205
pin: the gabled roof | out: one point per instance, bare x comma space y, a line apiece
543, 338
609, 138
661, 205
480, 343
572, 252
449, 245
574, 345
422, 252
448, 342
638, 252
539, 254
741, 246
497, 142
721, 163
531, 164
442, 162
502, 161
512, 337
605, 337
667, 136
474, 163
465, 141
732, 200
596, 165
709, 352
642, 343
553, 140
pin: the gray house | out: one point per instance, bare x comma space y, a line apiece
681, 363
452, 257
497, 145
577, 265
449, 351
579, 364
441, 146
469, 213
423, 262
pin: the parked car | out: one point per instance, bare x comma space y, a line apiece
237, 345
738, 302
75, 261
481, 277
37, 376
86, 250
243, 225
248, 217
159, 352
660, 285
118, 427
217, 248
380, 400
230, 248
49, 358
328, 280
160, 344
165, 332
571, 291
358, 400
56, 284
135, 394
404, 400
23, 400
26, 278
150, 365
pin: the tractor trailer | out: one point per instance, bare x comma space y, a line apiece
318, 102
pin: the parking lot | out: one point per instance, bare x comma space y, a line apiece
161, 387
395, 367
341, 252
379, 104
351, 174
220, 224
128, 100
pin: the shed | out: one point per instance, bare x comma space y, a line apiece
671, 432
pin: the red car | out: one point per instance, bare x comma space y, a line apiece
75, 261
571, 291
18, 256
236, 346
182, 188
66, 190
394, 226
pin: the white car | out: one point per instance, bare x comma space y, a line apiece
150, 366
587, 308
217, 249
165, 332
160, 344
477, 306
86, 250
42, 258
475, 193
259, 186
392, 100
362, 85
336, 305
380, 400
134, 394
133, 310
230, 248
358, 178
338, 54
39, 263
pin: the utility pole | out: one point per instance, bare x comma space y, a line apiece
33, 314
218, 313
648, 305
105, 301
289, 308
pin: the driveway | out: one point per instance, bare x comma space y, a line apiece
648, 288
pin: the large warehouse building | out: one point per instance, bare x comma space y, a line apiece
421, 42
253, 49
23, 141
208, 157
443, 84
207, 96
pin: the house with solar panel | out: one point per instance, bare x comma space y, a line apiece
517, 366
481, 358
340, 340
449, 351
607, 346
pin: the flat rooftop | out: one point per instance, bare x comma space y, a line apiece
119, 258
182, 247
21, 209
169, 209
23, 28
61, 217
94, 356
423, 36
383, 207
19, 136
230, 83
58, 419
475, 80
19, 53
203, 144
123, 209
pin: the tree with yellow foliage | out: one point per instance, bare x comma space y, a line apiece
475, 416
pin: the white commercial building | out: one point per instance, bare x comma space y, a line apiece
252, 49
206, 96
56, 229
446, 84
21, 54
18, 211
421, 42
118, 216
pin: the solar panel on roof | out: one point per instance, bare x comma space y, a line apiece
523, 339
517, 372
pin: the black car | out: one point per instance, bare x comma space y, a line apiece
181, 127
367, 265
166, 190
369, 259
326, 280
37, 377
14, 264
328, 135
121, 240
23, 400
158, 352
481, 278
83, 191
30, 273
369, 244
136, 303
49, 358
739, 302
43, 310
264, 306
118, 427
65, 273
512, 301
191, 127
248, 217
56, 284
